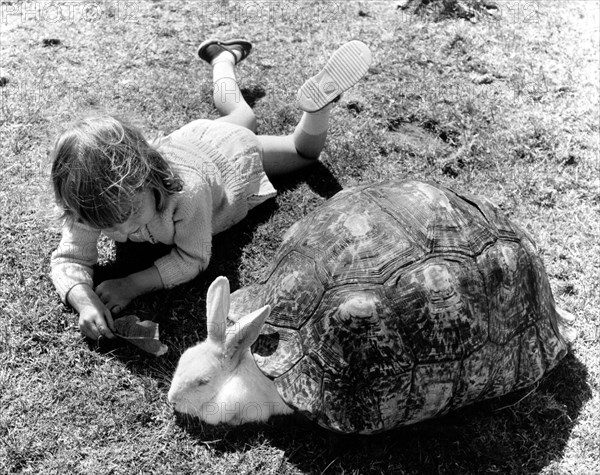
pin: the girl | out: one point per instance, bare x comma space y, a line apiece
181, 189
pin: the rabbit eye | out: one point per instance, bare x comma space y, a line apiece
202, 382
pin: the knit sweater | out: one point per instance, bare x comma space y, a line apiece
221, 168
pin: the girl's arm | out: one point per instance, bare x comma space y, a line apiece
115, 294
193, 238
72, 262
72, 274
145, 281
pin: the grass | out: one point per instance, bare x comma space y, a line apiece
497, 102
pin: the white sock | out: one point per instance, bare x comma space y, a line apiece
315, 123
223, 57
311, 132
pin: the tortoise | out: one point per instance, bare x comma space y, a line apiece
389, 304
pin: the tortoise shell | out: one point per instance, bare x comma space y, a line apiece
398, 302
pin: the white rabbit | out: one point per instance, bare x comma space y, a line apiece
218, 380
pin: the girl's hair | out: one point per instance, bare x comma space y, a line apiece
98, 166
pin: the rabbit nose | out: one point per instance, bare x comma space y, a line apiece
171, 398
174, 407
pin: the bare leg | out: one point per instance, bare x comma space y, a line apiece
289, 153
227, 95
280, 155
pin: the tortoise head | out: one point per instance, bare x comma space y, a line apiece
211, 378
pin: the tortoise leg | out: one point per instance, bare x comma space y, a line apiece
565, 325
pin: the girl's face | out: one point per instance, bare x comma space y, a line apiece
144, 211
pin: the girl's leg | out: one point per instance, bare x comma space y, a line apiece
227, 96
288, 153
292, 152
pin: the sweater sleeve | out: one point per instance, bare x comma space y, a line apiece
73, 260
192, 219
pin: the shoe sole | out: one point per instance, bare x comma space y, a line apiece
343, 70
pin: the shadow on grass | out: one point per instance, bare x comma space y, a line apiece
518, 433
319, 179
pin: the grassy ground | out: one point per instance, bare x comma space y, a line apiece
503, 104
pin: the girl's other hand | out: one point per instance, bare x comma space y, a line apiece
116, 294
96, 321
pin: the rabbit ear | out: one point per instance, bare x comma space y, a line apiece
245, 332
217, 309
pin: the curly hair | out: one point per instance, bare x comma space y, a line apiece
99, 164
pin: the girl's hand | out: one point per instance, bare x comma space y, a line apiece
116, 294
96, 321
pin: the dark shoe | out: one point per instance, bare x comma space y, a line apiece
210, 49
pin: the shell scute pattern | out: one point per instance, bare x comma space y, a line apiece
440, 306
544, 300
354, 240
531, 363
409, 210
553, 346
507, 271
504, 362
489, 372
369, 250
304, 388
393, 392
432, 390
320, 233
498, 221
398, 302
355, 327
437, 219
245, 300
358, 412
474, 376
293, 290
373, 371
